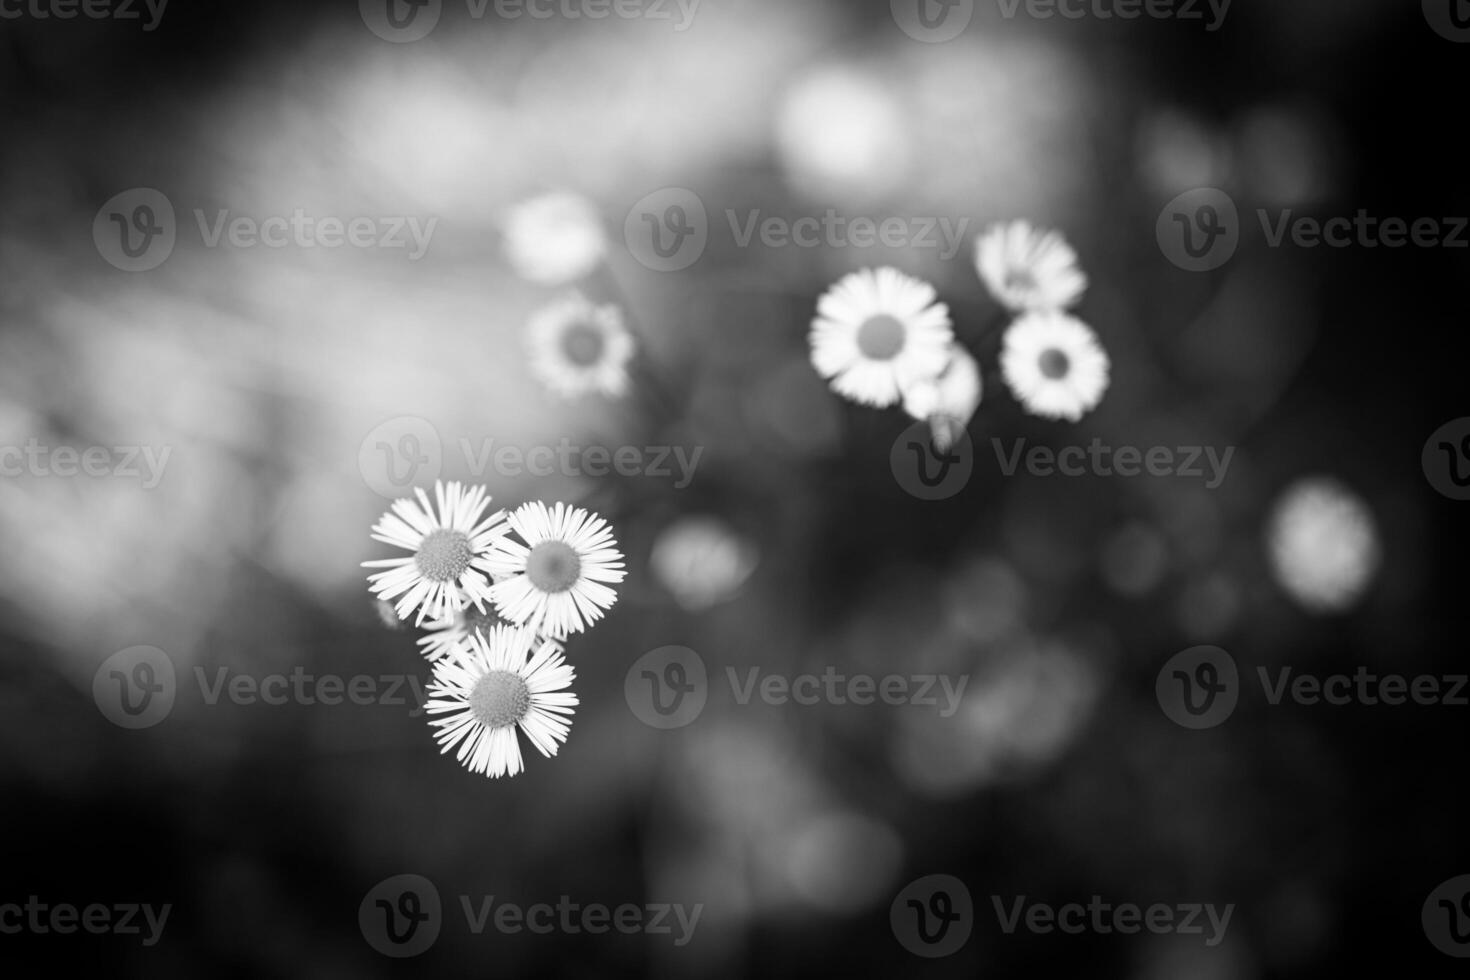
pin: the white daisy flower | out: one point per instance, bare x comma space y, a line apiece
877, 333
450, 548
1054, 365
948, 401
446, 635
555, 582
1323, 543
493, 689
1028, 268
577, 348
555, 238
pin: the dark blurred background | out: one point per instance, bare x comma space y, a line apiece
794, 548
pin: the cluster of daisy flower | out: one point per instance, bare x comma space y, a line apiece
501, 594
881, 337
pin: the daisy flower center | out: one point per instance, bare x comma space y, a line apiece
583, 344
444, 555
881, 337
500, 699
472, 619
1020, 280
552, 566
1055, 364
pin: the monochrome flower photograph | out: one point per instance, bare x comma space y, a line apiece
733, 489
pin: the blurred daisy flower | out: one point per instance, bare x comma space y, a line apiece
878, 333
577, 348
555, 238
1054, 365
494, 684
446, 635
450, 546
387, 615
702, 561
948, 401
841, 130
557, 580
1323, 544
1028, 268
